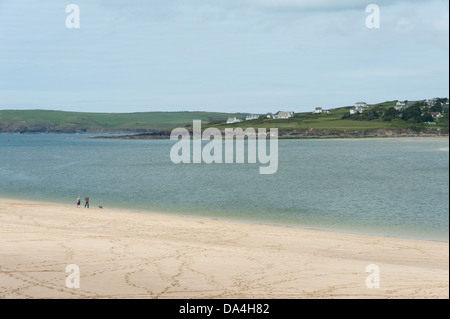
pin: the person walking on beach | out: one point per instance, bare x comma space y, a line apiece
78, 201
86, 202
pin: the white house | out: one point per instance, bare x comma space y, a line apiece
361, 105
436, 115
359, 108
283, 115
318, 110
400, 106
356, 110
252, 117
232, 120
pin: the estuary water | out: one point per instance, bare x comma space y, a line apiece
387, 187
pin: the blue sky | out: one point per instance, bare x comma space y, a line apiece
220, 55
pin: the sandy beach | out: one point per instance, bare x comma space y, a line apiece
136, 255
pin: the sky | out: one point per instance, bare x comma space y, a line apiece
250, 56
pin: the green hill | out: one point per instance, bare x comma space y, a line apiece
373, 121
40, 121
338, 122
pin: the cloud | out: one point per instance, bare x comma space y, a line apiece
327, 5
310, 4
307, 5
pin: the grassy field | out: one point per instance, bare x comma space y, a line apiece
59, 121
35, 121
330, 122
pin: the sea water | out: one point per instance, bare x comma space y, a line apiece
387, 187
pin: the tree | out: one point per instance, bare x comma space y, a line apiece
390, 114
413, 113
346, 116
427, 118
437, 107
371, 114
442, 100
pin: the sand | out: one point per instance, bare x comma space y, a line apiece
137, 255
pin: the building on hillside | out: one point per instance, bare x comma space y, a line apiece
361, 105
400, 106
436, 115
356, 110
252, 117
318, 110
283, 115
232, 120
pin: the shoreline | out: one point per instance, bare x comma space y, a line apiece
174, 214
127, 254
147, 136
285, 136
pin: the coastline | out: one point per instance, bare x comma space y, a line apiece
282, 136
312, 135
126, 254
246, 221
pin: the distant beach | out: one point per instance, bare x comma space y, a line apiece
131, 255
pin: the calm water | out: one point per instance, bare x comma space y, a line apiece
383, 187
